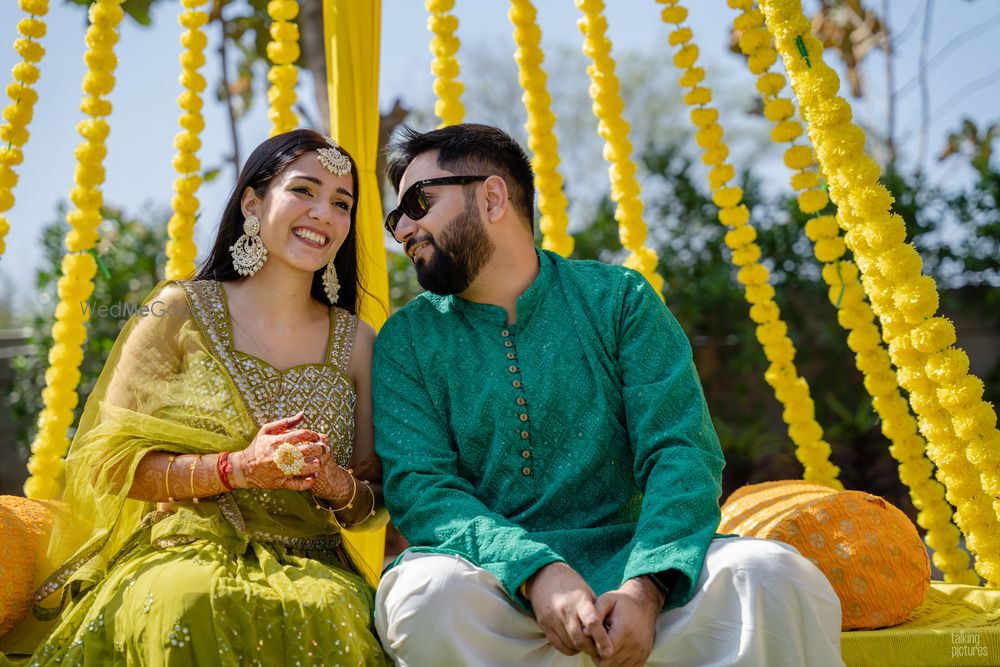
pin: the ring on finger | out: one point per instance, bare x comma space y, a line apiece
289, 460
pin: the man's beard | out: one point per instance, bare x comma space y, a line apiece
457, 258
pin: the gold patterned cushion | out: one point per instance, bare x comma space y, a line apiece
24, 531
868, 549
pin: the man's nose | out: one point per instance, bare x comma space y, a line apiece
405, 228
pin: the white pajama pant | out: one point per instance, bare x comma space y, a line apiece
757, 602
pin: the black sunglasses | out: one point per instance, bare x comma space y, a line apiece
414, 205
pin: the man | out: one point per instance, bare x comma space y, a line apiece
549, 455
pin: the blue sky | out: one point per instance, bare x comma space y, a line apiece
964, 78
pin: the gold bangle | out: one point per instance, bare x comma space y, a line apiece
166, 479
370, 513
350, 503
194, 464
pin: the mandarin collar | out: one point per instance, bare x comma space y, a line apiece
527, 303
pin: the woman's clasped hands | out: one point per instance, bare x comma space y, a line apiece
281, 457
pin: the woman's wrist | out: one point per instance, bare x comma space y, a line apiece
237, 479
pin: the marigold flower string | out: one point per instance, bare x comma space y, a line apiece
614, 129
854, 313
283, 52
960, 428
17, 115
541, 121
444, 45
790, 389
181, 250
76, 283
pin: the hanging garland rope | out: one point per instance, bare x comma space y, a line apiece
614, 129
78, 266
283, 52
181, 250
444, 46
790, 389
960, 428
541, 122
18, 113
854, 313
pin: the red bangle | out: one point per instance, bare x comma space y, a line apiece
225, 467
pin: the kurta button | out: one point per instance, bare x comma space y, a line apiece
512, 369
511, 355
525, 470
520, 400
504, 333
526, 454
516, 383
523, 417
524, 435
508, 343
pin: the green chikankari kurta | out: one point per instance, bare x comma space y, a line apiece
578, 434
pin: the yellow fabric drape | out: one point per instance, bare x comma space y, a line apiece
351, 30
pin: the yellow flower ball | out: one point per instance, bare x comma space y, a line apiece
720, 175
740, 4
805, 180
812, 201
281, 53
25, 73
771, 333
798, 157
674, 14
680, 36
686, 57
830, 250
192, 122
756, 294
702, 117
193, 20
755, 274
902, 262
975, 422
948, 366
698, 96
735, 216
748, 20
770, 84
822, 227
785, 131
965, 393
933, 335
708, 136
283, 10
917, 300
863, 339
186, 163
29, 51
753, 39
762, 313
746, 255
761, 60
727, 197
780, 353
715, 155
778, 109
692, 77
32, 28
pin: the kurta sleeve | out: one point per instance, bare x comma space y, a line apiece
432, 505
677, 457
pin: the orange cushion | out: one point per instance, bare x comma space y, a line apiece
24, 531
868, 549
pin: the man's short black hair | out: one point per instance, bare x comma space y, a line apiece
469, 148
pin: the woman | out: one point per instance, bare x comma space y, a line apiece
228, 440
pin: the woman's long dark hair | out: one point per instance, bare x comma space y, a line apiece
266, 162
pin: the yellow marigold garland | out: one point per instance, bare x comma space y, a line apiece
18, 113
282, 51
960, 428
444, 46
541, 121
181, 250
791, 390
855, 315
78, 267
614, 129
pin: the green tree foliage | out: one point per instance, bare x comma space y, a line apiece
131, 254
